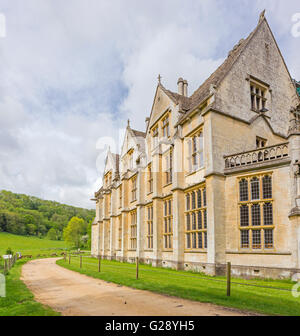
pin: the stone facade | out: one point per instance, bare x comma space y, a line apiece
216, 175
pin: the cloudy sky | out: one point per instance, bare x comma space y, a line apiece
72, 72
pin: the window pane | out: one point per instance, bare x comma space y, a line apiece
205, 239
193, 200
245, 239
205, 218
244, 213
256, 239
199, 199
204, 197
255, 189
199, 220
267, 187
194, 220
243, 190
200, 243
255, 212
268, 214
188, 222
188, 240
268, 238
188, 202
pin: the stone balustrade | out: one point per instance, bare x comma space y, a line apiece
261, 155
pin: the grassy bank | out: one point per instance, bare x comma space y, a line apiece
29, 245
196, 287
19, 301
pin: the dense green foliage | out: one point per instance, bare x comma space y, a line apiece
75, 231
195, 286
27, 215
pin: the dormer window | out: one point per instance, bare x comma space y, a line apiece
258, 97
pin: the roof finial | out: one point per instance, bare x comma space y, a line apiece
128, 123
262, 15
159, 79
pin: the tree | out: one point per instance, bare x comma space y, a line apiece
74, 231
52, 234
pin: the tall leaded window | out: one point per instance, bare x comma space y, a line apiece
243, 190
150, 227
196, 219
166, 127
195, 152
268, 214
256, 213
119, 232
255, 189
267, 187
244, 213
133, 189
169, 167
133, 230
168, 225
150, 179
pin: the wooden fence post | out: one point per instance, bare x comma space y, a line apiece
99, 263
5, 267
81, 261
228, 273
65, 257
137, 268
69, 259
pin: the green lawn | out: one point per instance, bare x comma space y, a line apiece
195, 286
19, 300
29, 245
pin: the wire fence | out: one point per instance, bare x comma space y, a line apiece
7, 264
139, 268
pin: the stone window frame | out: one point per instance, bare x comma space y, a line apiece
134, 188
166, 126
150, 179
195, 225
195, 158
254, 226
155, 135
120, 232
169, 167
120, 196
258, 95
168, 224
133, 231
149, 225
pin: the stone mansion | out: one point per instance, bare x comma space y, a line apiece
215, 177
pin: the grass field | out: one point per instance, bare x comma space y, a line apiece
29, 245
19, 300
195, 286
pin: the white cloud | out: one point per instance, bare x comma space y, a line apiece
73, 72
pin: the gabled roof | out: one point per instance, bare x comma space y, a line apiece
139, 133
217, 77
188, 104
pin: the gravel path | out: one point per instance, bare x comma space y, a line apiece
75, 294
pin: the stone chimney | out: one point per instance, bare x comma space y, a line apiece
185, 88
180, 84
